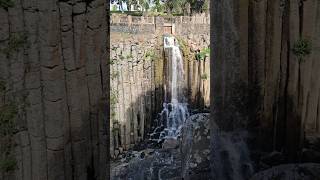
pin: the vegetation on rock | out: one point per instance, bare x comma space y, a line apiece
8, 164
8, 113
302, 48
203, 53
16, 42
6, 4
204, 76
167, 7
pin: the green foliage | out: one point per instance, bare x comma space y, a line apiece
113, 98
129, 56
112, 61
151, 55
184, 47
8, 164
172, 7
16, 41
8, 113
2, 87
131, 13
302, 48
121, 57
5, 4
204, 76
203, 53
114, 75
113, 8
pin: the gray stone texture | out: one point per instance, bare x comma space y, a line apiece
59, 76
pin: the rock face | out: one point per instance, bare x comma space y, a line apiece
189, 161
308, 171
259, 80
138, 70
195, 147
53, 65
161, 164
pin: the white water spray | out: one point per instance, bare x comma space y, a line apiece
175, 111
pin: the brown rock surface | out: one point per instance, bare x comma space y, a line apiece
57, 74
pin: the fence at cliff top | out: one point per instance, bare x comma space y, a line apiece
128, 19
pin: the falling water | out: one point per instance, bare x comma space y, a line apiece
175, 111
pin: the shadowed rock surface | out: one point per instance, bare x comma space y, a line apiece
309, 171
53, 65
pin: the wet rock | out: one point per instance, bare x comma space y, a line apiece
273, 159
142, 155
195, 144
310, 155
307, 171
170, 143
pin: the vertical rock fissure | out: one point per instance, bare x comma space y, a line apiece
26, 63
42, 96
66, 96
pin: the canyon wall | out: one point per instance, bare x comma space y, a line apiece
138, 67
265, 70
53, 75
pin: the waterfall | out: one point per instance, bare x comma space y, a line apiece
175, 110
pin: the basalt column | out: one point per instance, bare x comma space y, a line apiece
53, 67
266, 83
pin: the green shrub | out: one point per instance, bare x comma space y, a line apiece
151, 54
301, 48
8, 113
204, 76
114, 75
204, 52
8, 164
5, 4
129, 56
113, 98
2, 86
16, 41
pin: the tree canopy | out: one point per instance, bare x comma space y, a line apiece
186, 7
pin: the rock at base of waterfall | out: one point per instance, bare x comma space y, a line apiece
170, 143
273, 159
307, 171
195, 146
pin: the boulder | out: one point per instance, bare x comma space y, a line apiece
170, 143
195, 147
307, 171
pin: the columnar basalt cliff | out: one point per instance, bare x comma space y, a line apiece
266, 54
138, 67
53, 72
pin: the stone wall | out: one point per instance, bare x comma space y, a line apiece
137, 80
53, 67
256, 64
155, 24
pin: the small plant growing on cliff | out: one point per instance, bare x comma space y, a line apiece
114, 75
16, 41
203, 53
8, 164
5, 4
2, 87
204, 76
302, 48
129, 56
8, 113
150, 53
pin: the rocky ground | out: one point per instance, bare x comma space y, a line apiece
188, 157
185, 157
